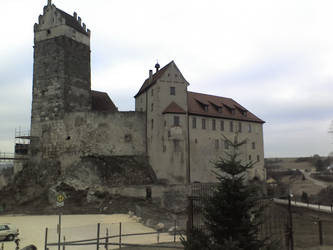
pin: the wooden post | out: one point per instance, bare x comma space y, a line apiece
98, 230
119, 234
45, 242
320, 233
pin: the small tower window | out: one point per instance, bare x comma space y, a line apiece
152, 106
172, 90
231, 126
253, 145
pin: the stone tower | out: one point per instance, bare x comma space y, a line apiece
61, 70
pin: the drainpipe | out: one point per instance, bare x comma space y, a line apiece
188, 169
150, 79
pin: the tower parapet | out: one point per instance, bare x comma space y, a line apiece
55, 22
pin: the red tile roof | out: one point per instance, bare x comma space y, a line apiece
174, 108
102, 102
145, 86
197, 101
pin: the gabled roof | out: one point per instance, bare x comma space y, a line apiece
72, 22
102, 102
146, 85
173, 108
195, 108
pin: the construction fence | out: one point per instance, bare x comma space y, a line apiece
109, 236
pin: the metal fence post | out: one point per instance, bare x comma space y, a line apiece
59, 231
98, 230
174, 232
45, 245
320, 233
291, 237
119, 234
107, 239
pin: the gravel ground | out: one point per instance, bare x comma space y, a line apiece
78, 227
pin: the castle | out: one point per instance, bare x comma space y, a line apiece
178, 131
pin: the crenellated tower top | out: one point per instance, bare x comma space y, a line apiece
55, 22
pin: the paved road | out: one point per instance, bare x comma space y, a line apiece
316, 207
316, 182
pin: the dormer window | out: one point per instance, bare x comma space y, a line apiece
206, 108
219, 109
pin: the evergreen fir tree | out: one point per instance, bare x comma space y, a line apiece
232, 213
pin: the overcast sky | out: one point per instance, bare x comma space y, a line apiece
273, 57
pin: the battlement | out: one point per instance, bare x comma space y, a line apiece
55, 22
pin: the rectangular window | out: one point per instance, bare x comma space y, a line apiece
250, 157
253, 145
164, 148
231, 126
176, 121
203, 123
250, 128
152, 107
194, 122
176, 147
226, 144
214, 124
240, 127
172, 90
222, 125
217, 144
152, 123
152, 92
258, 158
219, 109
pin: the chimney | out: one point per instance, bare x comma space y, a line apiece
150, 76
79, 20
49, 2
75, 15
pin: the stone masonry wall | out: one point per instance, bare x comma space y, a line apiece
82, 134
